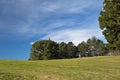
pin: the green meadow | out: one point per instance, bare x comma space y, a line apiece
91, 68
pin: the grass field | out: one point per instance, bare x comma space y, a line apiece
93, 68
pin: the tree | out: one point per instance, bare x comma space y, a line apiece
62, 50
92, 46
96, 47
48, 49
92, 42
101, 48
71, 50
44, 49
109, 21
82, 48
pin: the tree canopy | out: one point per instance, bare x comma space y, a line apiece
44, 49
109, 21
48, 49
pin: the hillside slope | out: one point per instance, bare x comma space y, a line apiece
94, 68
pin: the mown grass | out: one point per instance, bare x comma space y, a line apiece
93, 68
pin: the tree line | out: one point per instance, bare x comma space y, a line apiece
109, 21
48, 49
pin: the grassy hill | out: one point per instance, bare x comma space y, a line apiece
93, 68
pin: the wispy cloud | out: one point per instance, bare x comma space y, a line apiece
29, 18
74, 35
76, 6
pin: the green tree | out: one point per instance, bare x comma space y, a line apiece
82, 48
92, 46
44, 49
109, 21
96, 47
63, 50
92, 42
71, 50
101, 48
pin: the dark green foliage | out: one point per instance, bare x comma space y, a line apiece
110, 23
71, 50
82, 47
93, 47
101, 48
97, 47
63, 50
44, 49
47, 49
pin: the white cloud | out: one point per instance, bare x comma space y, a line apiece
75, 35
65, 29
32, 14
31, 43
44, 28
61, 6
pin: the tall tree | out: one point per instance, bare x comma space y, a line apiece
101, 48
82, 48
96, 47
109, 21
44, 49
71, 50
62, 50
92, 46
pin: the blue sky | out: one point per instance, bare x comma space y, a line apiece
22, 22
